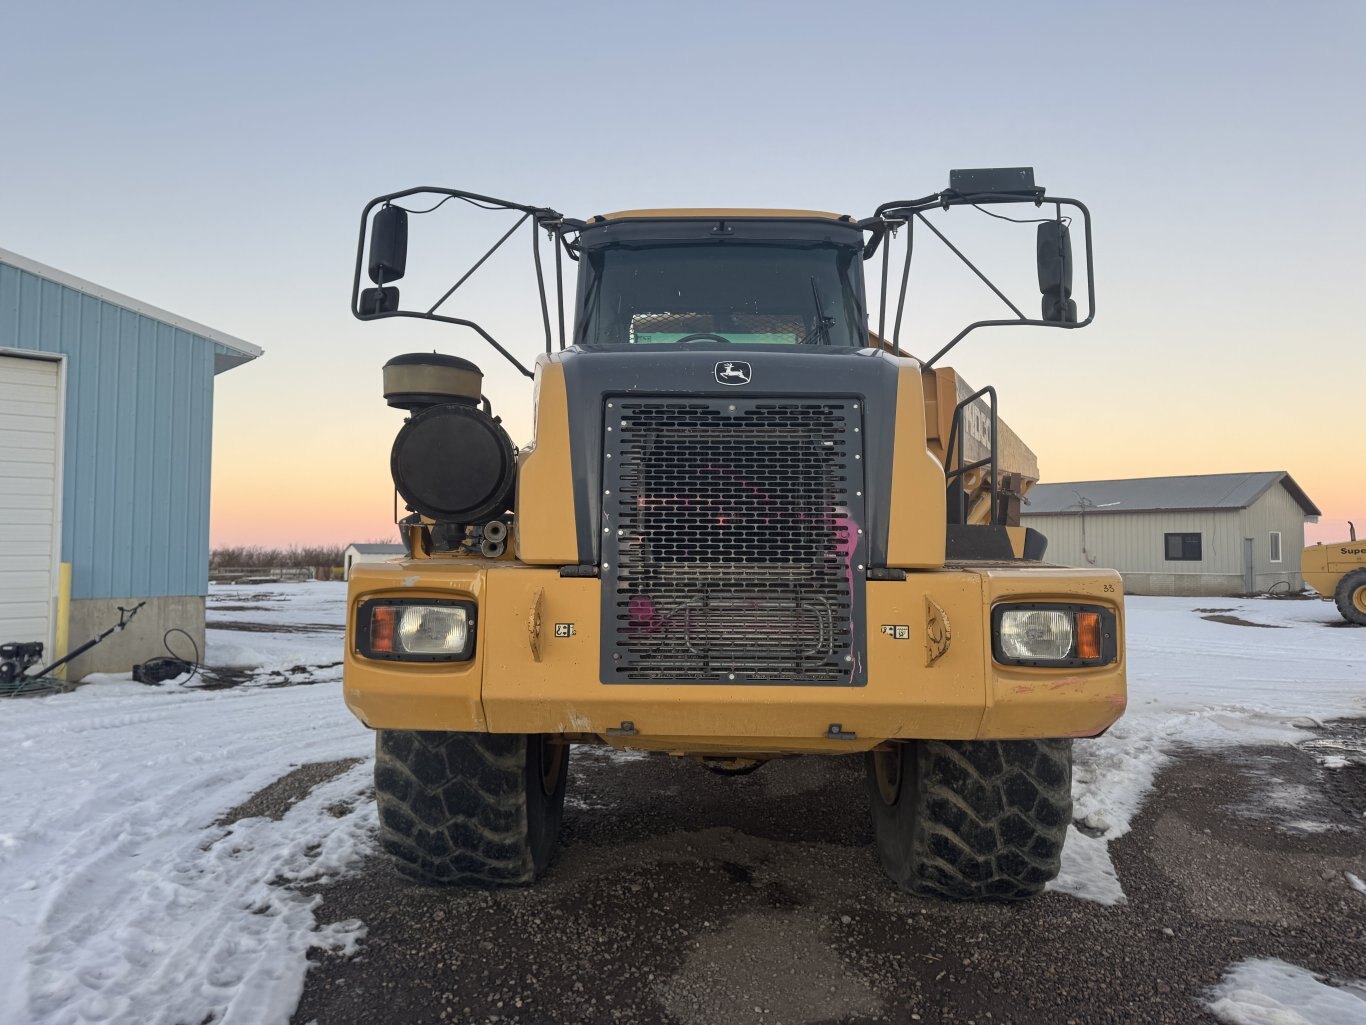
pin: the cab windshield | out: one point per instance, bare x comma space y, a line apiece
742, 293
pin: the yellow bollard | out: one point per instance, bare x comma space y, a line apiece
62, 639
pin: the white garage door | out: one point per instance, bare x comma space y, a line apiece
30, 488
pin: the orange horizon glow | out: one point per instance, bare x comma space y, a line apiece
338, 491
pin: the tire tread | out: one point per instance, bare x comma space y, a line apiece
453, 806
977, 820
1342, 596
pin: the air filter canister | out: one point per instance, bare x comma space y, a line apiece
418, 379
454, 463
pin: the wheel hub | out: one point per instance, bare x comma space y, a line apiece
887, 772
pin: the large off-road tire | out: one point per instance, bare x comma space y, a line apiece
972, 820
1350, 597
470, 809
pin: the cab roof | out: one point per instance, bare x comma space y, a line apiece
719, 213
711, 224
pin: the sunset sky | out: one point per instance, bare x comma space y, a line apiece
213, 160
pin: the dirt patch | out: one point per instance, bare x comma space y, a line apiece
1235, 621
1340, 750
253, 596
228, 677
275, 628
223, 678
1215, 610
273, 801
766, 966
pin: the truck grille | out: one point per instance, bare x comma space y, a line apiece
732, 541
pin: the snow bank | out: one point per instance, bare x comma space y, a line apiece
1272, 992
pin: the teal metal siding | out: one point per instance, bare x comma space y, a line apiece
139, 423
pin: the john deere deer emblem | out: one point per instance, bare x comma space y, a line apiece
732, 372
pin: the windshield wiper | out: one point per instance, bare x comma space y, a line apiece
823, 323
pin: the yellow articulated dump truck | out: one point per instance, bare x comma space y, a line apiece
748, 526
1338, 572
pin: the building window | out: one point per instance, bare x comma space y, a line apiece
1275, 546
1183, 547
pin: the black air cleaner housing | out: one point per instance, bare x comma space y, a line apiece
454, 463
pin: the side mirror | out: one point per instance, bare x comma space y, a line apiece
388, 245
1055, 272
374, 301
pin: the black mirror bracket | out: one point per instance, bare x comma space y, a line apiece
388, 249
980, 188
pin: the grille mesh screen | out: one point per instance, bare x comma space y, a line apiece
732, 541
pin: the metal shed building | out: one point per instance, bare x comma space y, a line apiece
106, 422
1219, 533
360, 552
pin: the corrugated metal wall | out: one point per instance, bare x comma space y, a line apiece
1275, 510
139, 421
1133, 544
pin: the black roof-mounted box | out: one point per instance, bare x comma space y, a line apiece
974, 180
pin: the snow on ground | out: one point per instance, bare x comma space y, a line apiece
272, 628
126, 901
1272, 992
1196, 682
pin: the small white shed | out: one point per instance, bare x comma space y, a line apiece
358, 553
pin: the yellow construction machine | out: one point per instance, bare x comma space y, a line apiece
1338, 572
748, 526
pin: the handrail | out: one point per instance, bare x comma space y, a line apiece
956, 496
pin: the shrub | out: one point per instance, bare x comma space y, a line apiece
260, 557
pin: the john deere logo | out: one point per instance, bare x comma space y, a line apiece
732, 372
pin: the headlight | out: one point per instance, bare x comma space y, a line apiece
1051, 634
433, 630
1036, 633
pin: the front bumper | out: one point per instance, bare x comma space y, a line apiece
535, 668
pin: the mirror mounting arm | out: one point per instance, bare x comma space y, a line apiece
970, 265
458, 322
1068, 325
382, 302
890, 216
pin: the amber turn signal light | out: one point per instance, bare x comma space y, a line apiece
1088, 635
382, 621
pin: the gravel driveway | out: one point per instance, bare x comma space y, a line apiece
682, 896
